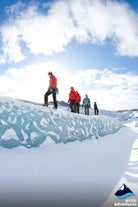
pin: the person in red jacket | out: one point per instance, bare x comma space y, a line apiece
78, 100
72, 99
51, 90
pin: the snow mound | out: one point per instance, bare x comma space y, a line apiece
25, 124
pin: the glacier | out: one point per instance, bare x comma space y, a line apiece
29, 125
57, 158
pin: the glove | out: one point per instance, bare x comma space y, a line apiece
50, 90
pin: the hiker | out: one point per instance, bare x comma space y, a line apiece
96, 111
72, 99
52, 89
78, 100
86, 104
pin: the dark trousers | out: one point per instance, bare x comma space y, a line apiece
86, 109
78, 108
73, 106
54, 98
96, 111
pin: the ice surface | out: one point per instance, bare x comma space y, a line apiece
25, 124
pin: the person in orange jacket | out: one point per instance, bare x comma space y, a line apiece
72, 99
78, 100
51, 90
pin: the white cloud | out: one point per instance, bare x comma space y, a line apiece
31, 82
28, 83
51, 31
11, 44
98, 21
41, 33
111, 90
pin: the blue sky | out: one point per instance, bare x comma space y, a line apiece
91, 45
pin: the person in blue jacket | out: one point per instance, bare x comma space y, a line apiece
86, 104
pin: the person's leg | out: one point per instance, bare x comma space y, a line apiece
74, 105
46, 98
77, 107
55, 100
71, 106
87, 110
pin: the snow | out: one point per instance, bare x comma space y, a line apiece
57, 158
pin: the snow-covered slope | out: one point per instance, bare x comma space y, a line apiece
29, 125
84, 172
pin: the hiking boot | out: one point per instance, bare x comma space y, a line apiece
46, 105
54, 108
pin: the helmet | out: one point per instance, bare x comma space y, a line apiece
50, 73
71, 88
